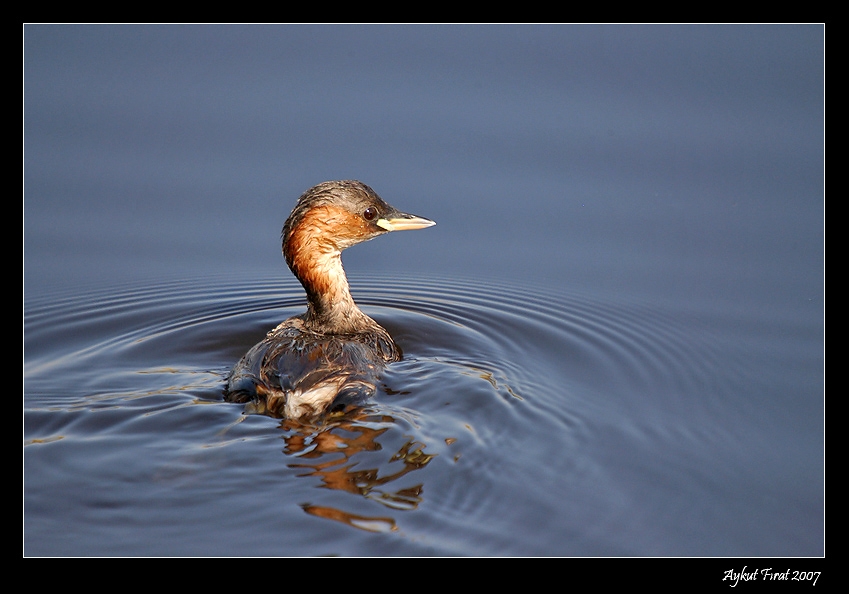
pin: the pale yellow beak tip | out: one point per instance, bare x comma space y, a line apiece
405, 223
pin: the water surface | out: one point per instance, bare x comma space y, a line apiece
519, 422
614, 336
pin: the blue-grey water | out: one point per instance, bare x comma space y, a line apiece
614, 336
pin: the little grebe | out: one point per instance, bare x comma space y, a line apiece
334, 349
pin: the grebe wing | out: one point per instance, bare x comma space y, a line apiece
293, 373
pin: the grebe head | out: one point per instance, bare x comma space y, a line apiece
339, 214
327, 219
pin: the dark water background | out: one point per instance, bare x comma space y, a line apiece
614, 335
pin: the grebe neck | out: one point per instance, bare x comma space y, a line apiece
330, 307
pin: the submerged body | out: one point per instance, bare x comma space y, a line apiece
333, 352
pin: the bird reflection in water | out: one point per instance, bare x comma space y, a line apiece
335, 453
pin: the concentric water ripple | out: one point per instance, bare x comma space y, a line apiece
499, 432
527, 345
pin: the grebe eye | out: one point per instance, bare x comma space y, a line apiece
370, 213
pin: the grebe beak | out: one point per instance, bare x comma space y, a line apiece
399, 221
